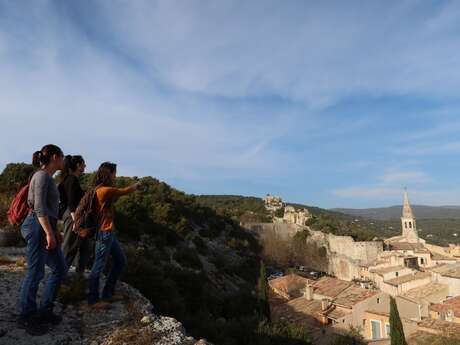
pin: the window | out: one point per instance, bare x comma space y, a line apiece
378, 300
410, 225
387, 329
422, 261
397, 274
375, 329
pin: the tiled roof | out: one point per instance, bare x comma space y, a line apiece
330, 287
406, 246
291, 284
337, 313
353, 295
298, 311
407, 278
438, 256
452, 271
445, 328
422, 292
388, 269
451, 304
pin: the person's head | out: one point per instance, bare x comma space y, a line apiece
73, 165
106, 174
50, 156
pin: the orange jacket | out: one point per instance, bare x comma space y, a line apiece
103, 205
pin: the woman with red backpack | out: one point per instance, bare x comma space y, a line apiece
39, 230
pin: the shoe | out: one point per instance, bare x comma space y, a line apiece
102, 305
32, 325
51, 318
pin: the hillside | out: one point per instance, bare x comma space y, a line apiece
394, 212
192, 263
439, 225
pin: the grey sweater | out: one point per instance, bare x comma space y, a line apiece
43, 195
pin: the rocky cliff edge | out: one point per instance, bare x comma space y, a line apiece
130, 321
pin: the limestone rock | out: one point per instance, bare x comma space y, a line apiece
131, 321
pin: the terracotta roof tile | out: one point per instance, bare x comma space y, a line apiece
330, 287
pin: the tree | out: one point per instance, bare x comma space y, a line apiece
262, 292
14, 176
396, 327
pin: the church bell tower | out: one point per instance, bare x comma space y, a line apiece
409, 225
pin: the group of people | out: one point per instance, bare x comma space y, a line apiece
49, 202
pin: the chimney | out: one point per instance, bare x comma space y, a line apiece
324, 304
308, 292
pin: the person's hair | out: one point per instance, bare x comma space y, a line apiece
70, 165
43, 157
104, 174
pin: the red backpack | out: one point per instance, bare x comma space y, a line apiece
19, 208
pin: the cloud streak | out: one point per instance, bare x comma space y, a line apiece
236, 96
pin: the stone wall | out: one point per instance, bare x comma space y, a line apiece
283, 230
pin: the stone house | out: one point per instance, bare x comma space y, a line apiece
448, 275
447, 311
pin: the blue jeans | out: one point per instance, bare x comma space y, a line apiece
106, 244
37, 257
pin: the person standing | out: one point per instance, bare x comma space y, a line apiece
106, 240
39, 230
71, 193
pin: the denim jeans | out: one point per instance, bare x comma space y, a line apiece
37, 257
106, 244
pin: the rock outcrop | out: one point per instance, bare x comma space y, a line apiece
130, 321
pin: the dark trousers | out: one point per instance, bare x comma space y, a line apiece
75, 247
106, 245
37, 257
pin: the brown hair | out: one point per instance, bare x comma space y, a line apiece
43, 157
70, 165
104, 175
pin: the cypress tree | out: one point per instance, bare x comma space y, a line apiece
262, 293
396, 327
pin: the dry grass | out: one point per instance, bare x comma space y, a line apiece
132, 335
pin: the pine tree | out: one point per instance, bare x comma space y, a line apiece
396, 327
262, 293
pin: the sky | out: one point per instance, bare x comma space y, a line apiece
331, 103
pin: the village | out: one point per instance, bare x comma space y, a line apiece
355, 294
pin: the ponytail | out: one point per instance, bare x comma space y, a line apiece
43, 157
70, 165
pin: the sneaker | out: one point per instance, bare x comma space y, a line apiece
32, 325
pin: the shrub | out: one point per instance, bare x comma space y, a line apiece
188, 257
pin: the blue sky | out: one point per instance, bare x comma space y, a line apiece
332, 103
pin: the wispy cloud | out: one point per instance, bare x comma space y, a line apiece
269, 93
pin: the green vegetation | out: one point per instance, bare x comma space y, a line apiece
396, 328
239, 208
193, 262
262, 292
352, 337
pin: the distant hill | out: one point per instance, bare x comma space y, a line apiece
394, 212
438, 225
